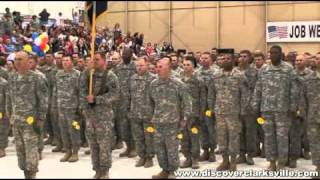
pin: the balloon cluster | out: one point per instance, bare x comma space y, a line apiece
39, 45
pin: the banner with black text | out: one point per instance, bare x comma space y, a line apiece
293, 31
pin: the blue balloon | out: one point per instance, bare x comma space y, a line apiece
36, 48
34, 35
41, 54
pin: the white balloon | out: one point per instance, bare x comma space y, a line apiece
37, 41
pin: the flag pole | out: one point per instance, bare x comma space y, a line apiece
93, 38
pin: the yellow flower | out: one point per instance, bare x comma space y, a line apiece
77, 127
150, 129
180, 136
208, 113
30, 120
74, 123
1, 115
194, 130
260, 120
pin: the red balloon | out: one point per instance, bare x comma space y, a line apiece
45, 40
42, 46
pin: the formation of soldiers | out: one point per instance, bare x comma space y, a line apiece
258, 108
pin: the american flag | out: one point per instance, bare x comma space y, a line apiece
278, 31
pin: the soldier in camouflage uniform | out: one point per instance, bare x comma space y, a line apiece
4, 121
310, 105
81, 67
53, 111
117, 143
171, 107
207, 124
295, 132
259, 60
98, 112
249, 124
124, 71
28, 97
66, 92
190, 145
140, 113
50, 71
45, 66
275, 97
33, 67
176, 69
227, 97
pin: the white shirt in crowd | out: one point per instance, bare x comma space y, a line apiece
59, 21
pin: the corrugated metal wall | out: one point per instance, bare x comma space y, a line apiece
202, 25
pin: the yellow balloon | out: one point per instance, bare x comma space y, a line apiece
42, 36
180, 136
27, 48
46, 49
260, 120
150, 129
208, 113
30, 120
194, 130
1, 115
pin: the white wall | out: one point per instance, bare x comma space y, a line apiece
35, 7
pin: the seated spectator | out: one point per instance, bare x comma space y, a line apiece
9, 46
149, 49
2, 47
117, 34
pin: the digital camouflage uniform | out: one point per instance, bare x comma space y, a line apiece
190, 144
4, 73
248, 138
4, 120
227, 95
311, 100
140, 114
82, 119
99, 117
207, 124
274, 96
28, 97
52, 124
41, 137
171, 102
124, 72
66, 92
299, 124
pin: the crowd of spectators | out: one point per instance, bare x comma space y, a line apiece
71, 37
